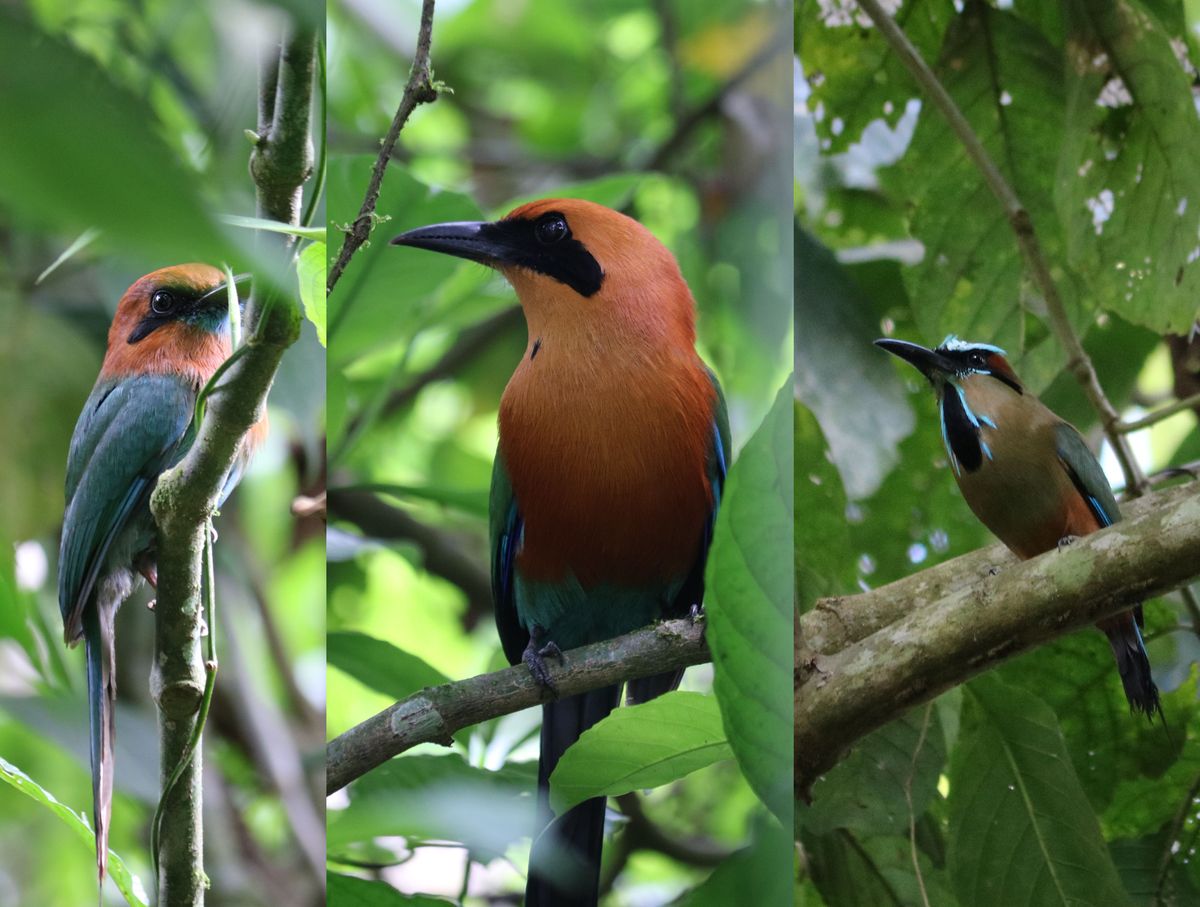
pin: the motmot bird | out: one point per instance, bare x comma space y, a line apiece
169, 335
613, 439
1027, 474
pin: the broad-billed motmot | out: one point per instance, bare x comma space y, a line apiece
169, 335
612, 456
1026, 474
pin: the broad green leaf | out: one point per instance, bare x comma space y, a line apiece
852, 390
1131, 208
750, 608
845, 873
1151, 872
1011, 781
760, 874
130, 885
868, 792
351, 891
639, 747
824, 564
380, 665
855, 75
1109, 747
310, 272
123, 179
1006, 78
437, 798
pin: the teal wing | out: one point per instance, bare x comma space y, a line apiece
130, 430
505, 530
1086, 474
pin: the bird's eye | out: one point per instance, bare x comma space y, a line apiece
162, 302
978, 360
550, 229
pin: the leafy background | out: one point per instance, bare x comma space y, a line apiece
128, 119
611, 102
1032, 784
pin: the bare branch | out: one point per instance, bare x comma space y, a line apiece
435, 713
419, 90
974, 623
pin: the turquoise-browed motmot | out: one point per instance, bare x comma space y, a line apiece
1027, 474
169, 335
612, 456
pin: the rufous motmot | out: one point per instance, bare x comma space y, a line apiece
612, 455
1027, 474
169, 335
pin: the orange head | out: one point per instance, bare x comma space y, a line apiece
172, 321
579, 269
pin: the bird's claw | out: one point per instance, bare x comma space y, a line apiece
535, 655
1067, 541
696, 612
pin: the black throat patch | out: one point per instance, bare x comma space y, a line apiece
962, 435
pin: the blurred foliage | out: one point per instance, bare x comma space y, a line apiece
898, 235
127, 120
673, 112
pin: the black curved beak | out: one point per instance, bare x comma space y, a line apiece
928, 362
481, 241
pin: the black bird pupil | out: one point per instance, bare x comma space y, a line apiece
161, 301
551, 230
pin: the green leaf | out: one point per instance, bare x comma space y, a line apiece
317, 234
759, 874
437, 798
749, 607
80, 151
852, 390
642, 746
868, 791
310, 272
351, 891
380, 665
1132, 211
1006, 78
1021, 829
854, 74
130, 885
824, 564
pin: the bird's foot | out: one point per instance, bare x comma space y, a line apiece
149, 569
535, 655
993, 571
696, 612
1067, 541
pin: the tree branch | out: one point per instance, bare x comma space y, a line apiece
186, 495
419, 90
435, 713
973, 623
1078, 362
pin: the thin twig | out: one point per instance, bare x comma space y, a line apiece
436, 713
1159, 414
1078, 361
419, 90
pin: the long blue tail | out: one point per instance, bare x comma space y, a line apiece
101, 706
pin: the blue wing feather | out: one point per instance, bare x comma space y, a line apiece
130, 430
